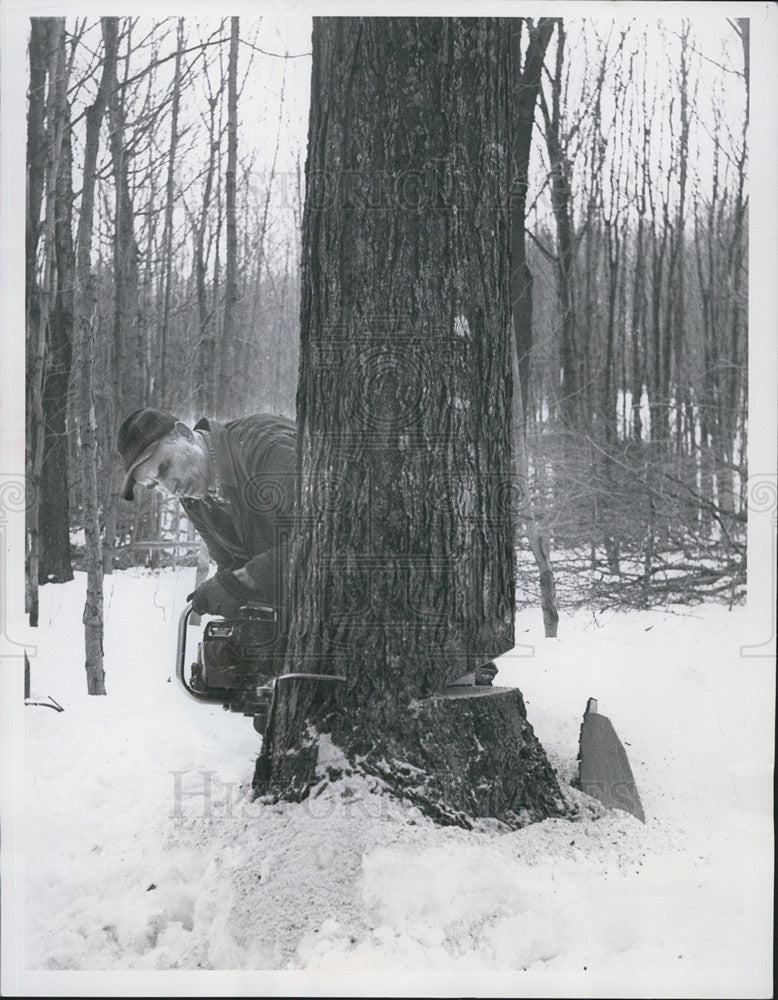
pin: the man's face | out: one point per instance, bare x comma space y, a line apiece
178, 466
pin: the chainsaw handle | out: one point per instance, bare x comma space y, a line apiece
181, 661
181, 648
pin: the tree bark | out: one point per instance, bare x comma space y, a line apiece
403, 550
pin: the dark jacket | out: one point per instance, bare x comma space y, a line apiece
255, 463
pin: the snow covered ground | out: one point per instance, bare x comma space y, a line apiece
143, 853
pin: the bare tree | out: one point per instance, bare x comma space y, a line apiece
129, 377
170, 197
231, 258
54, 522
48, 57
85, 317
128, 353
207, 339
525, 87
36, 179
561, 200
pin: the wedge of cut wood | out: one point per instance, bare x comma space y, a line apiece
603, 767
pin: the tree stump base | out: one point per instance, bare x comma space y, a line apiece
464, 754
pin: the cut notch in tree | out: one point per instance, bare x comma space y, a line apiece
403, 543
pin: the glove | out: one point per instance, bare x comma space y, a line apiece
223, 594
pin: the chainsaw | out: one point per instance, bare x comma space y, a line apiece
238, 661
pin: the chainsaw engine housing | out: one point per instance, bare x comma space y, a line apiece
237, 660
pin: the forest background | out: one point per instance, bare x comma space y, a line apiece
634, 371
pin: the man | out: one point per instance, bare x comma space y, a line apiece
235, 482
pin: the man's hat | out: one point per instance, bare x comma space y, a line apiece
137, 439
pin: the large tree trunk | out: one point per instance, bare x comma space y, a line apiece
403, 549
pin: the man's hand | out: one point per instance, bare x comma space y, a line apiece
223, 594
